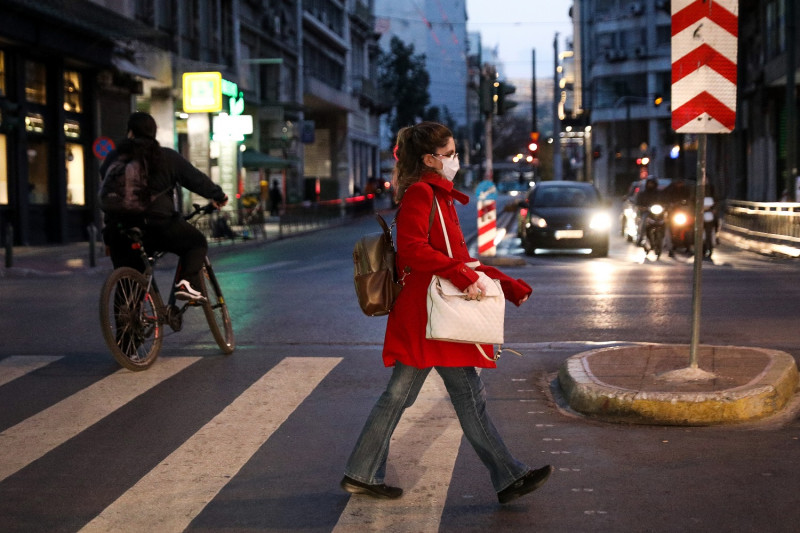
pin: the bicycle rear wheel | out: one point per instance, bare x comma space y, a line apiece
129, 318
216, 310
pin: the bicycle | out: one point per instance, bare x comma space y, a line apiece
132, 313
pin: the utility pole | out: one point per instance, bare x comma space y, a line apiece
557, 170
534, 118
791, 105
490, 75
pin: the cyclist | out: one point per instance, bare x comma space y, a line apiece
163, 227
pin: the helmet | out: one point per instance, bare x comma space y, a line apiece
651, 183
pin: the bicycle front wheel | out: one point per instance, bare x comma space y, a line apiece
129, 318
216, 310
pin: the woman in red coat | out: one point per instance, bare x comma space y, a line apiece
427, 162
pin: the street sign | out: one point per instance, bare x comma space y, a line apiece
704, 44
102, 146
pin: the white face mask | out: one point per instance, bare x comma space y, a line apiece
450, 168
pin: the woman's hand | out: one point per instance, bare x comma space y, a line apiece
475, 291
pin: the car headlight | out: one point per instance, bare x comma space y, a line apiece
679, 219
600, 222
537, 221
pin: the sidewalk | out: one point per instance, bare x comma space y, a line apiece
72, 258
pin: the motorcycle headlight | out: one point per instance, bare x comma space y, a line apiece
600, 222
656, 209
537, 221
679, 219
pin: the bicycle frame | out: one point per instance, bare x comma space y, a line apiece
127, 291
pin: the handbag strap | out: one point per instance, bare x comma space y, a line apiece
444, 228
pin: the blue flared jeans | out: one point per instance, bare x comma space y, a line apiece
367, 463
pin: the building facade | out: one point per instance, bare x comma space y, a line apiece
437, 29
623, 75
71, 73
624, 66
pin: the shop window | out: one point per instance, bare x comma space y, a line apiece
35, 83
38, 188
2, 73
73, 92
3, 172
34, 123
75, 175
72, 129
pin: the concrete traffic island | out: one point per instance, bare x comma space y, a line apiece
653, 384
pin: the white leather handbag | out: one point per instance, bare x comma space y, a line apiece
453, 318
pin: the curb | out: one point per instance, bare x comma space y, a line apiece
770, 376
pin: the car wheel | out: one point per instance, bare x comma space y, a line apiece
600, 250
530, 250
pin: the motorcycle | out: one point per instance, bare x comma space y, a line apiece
681, 225
654, 228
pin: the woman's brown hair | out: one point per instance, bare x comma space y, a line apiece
413, 142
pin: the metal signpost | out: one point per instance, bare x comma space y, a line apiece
704, 46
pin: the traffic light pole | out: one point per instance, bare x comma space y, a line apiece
489, 170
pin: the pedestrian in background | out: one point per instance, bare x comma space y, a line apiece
426, 165
275, 199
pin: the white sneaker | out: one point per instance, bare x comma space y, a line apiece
185, 291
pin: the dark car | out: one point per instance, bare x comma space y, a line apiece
562, 215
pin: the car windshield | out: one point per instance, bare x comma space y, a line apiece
564, 197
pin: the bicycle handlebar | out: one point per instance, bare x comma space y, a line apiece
200, 210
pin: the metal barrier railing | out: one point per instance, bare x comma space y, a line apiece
294, 218
766, 220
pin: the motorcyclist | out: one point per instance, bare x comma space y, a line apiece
648, 196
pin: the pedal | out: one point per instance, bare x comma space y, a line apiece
174, 318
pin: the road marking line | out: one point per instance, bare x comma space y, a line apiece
423, 452
35, 436
17, 366
277, 265
173, 493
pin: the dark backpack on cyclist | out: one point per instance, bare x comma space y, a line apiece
125, 190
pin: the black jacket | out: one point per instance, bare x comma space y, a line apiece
172, 169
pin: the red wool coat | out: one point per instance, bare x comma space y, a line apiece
418, 259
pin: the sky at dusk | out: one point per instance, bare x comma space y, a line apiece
517, 27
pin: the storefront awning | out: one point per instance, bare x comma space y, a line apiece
256, 159
129, 67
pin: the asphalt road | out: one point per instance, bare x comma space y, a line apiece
257, 441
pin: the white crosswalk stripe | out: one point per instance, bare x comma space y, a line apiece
37, 435
180, 486
173, 493
17, 366
429, 426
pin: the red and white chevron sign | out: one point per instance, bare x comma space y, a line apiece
705, 36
